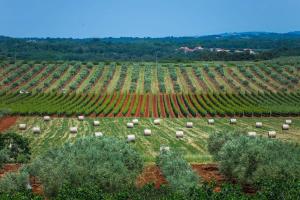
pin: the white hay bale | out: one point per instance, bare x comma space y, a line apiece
80, 117
288, 121
147, 132
164, 148
73, 130
258, 124
36, 129
135, 121
252, 134
189, 124
272, 134
211, 121
96, 123
98, 134
285, 127
22, 126
233, 121
47, 118
130, 138
179, 134
157, 122
129, 125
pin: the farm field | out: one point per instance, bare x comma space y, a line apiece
199, 77
166, 90
193, 145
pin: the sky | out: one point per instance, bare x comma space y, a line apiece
145, 18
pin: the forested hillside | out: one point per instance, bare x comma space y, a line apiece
215, 47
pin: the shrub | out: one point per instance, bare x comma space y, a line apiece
256, 160
14, 182
108, 164
90, 192
217, 139
16, 146
3, 157
177, 171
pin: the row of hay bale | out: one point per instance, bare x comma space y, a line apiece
271, 134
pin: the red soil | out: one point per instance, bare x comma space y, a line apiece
154, 106
162, 106
151, 174
110, 103
138, 110
36, 185
7, 122
208, 172
172, 115
180, 115
147, 106
182, 102
190, 102
111, 114
9, 168
125, 102
128, 114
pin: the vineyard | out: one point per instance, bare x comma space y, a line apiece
268, 88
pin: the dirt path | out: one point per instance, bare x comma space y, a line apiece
7, 122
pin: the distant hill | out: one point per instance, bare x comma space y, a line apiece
266, 45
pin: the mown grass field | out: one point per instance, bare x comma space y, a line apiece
193, 145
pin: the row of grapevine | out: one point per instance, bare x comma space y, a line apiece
261, 103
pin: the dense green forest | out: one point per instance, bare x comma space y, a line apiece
265, 45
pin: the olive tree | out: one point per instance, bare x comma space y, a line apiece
106, 163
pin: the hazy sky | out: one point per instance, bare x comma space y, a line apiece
141, 18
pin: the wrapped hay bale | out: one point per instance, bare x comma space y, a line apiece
73, 130
288, 121
252, 134
36, 129
285, 127
80, 117
211, 121
157, 122
179, 134
98, 134
272, 134
189, 124
147, 132
47, 118
135, 121
22, 126
129, 125
130, 138
233, 121
96, 123
164, 148
258, 124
